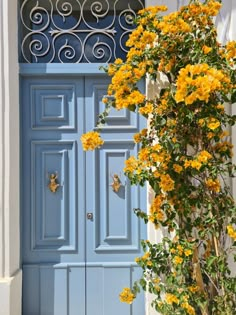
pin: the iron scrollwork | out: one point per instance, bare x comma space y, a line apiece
76, 30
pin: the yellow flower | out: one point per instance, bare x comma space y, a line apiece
204, 156
118, 61
144, 154
153, 9
190, 310
137, 259
91, 140
156, 280
220, 107
213, 123
188, 252
171, 298
210, 135
224, 133
231, 50
127, 296
131, 164
149, 263
167, 183
198, 82
193, 288
143, 132
146, 256
224, 147
137, 137
147, 109
177, 168
178, 260
231, 232
180, 250
213, 185
196, 164
201, 122
187, 163
156, 174
206, 49
105, 100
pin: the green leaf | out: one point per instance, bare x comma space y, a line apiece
233, 97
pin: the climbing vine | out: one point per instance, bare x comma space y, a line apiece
185, 156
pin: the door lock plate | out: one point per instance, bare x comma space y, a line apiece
90, 216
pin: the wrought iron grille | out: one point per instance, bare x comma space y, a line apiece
75, 31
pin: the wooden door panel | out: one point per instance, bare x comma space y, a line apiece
113, 236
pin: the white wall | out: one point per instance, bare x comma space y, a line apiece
10, 274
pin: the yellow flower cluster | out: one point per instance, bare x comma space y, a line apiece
173, 23
180, 250
177, 168
211, 8
213, 123
202, 158
171, 298
140, 38
122, 80
206, 49
198, 82
144, 154
127, 296
138, 136
224, 146
146, 256
153, 10
231, 232
213, 185
166, 65
178, 260
231, 50
162, 105
193, 288
131, 165
91, 140
147, 109
156, 212
190, 310
166, 182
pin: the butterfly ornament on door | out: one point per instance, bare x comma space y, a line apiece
116, 183
53, 184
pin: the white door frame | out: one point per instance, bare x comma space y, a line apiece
10, 267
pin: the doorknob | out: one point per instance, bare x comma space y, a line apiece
90, 216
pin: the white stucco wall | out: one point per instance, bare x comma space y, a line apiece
10, 274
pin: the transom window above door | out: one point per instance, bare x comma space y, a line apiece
75, 31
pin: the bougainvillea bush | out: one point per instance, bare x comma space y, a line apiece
185, 156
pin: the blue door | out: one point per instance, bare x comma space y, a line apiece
79, 236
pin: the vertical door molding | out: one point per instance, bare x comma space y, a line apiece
10, 274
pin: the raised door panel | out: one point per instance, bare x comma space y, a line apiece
52, 123
53, 210
53, 290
